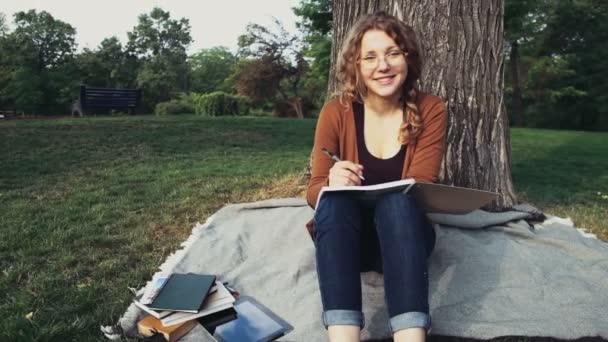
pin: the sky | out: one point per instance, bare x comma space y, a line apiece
213, 22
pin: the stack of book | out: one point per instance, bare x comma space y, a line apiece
176, 303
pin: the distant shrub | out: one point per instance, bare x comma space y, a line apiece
284, 109
175, 106
219, 103
191, 99
260, 112
115, 112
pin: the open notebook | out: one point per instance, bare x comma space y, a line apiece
434, 198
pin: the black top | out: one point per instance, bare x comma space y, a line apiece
375, 170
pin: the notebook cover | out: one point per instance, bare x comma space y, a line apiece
439, 198
214, 302
184, 292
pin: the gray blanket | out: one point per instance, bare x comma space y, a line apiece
491, 274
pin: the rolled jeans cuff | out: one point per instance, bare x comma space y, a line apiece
343, 317
410, 320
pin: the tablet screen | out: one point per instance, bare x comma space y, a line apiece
254, 323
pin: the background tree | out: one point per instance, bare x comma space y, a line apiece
160, 43
568, 82
38, 58
3, 26
53, 41
316, 23
523, 19
276, 71
4, 62
463, 50
560, 58
109, 65
210, 70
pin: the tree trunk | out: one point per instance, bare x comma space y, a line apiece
518, 114
461, 43
296, 103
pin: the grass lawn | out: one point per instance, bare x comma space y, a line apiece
92, 206
565, 173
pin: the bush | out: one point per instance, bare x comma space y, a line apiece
219, 103
116, 112
283, 109
260, 112
191, 99
175, 106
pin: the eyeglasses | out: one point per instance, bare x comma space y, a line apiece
393, 57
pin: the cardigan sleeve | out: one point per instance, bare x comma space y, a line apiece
430, 145
327, 134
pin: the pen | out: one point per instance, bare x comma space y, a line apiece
336, 158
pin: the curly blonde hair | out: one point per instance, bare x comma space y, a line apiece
348, 74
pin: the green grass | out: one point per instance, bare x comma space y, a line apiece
565, 173
93, 206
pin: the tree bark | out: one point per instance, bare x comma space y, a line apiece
518, 114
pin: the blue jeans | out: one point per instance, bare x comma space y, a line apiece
394, 237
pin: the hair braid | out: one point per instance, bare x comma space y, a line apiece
412, 123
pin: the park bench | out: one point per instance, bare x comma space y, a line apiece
106, 98
7, 114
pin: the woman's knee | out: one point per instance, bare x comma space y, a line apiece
397, 208
337, 209
398, 215
396, 202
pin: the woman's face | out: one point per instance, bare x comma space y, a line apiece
382, 65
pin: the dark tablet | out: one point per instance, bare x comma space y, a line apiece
255, 323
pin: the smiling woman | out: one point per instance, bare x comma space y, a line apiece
384, 129
383, 66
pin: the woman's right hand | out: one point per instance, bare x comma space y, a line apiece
345, 173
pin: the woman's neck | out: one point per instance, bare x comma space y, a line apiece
382, 106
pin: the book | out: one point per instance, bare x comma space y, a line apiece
183, 292
432, 197
220, 300
153, 288
150, 326
153, 313
254, 323
161, 314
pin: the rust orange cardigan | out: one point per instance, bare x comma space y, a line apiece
336, 131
